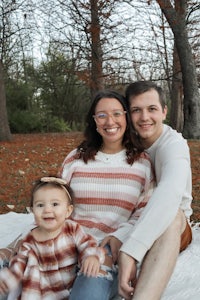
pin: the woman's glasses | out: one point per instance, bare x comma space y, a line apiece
101, 117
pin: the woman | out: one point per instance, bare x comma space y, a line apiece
112, 181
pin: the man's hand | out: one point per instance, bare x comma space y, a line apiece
127, 275
115, 245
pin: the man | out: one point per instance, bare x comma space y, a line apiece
163, 230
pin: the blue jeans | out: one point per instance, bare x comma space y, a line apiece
103, 287
4, 263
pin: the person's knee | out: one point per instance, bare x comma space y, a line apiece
179, 222
109, 273
94, 288
176, 228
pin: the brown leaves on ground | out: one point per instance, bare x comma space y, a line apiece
26, 158
30, 156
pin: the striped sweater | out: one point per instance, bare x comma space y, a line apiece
110, 194
47, 269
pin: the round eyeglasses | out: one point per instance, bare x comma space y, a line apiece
101, 117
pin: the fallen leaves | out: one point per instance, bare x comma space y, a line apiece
30, 156
25, 159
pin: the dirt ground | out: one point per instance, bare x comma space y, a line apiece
30, 156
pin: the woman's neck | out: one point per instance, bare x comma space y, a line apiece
111, 148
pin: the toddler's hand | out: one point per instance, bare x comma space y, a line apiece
8, 281
91, 266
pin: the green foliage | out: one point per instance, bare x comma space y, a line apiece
59, 125
61, 92
46, 98
18, 94
22, 121
54, 124
77, 126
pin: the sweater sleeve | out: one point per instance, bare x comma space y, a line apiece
87, 245
125, 229
65, 171
12, 276
174, 167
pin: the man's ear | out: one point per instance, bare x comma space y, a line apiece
165, 111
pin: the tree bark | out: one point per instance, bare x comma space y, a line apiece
176, 95
96, 51
5, 134
177, 21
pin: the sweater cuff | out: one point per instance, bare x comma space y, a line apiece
135, 249
122, 234
96, 251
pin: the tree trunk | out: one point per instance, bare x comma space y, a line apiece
176, 95
5, 134
177, 21
191, 127
96, 51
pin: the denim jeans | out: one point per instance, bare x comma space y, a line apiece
4, 263
103, 287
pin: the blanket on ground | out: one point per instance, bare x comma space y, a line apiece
183, 285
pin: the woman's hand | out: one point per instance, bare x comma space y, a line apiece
127, 275
114, 244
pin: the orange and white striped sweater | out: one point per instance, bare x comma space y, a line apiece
110, 194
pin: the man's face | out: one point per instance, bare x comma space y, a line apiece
147, 116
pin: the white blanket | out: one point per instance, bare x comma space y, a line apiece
184, 283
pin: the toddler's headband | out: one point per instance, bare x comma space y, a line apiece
59, 181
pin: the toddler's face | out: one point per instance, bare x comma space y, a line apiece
51, 208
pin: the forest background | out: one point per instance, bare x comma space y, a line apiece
54, 56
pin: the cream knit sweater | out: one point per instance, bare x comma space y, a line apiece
109, 193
